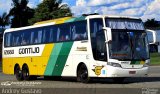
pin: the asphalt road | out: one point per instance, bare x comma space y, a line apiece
143, 85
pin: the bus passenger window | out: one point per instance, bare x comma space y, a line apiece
79, 30
39, 37
64, 32
50, 34
23, 42
73, 29
25, 38
17, 41
13, 41
8, 39
32, 38
53, 34
46, 35
35, 37
58, 34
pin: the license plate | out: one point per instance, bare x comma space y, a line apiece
132, 72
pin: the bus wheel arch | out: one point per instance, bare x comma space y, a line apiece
82, 73
18, 72
25, 72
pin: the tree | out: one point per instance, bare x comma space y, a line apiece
20, 13
50, 9
151, 23
4, 20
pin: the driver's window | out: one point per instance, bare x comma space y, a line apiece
101, 53
98, 39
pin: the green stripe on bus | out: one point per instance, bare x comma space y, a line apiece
135, 62
62, 58
75, 19
53, 58
70, 20
80, 18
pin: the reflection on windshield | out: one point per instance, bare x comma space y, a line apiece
120, 46
140, 48
128, 45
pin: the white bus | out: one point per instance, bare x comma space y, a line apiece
97, 46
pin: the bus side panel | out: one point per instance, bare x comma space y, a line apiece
78, 54
43, 60
32, 65
36, 64
7, 66
58, 59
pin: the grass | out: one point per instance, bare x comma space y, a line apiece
155, 58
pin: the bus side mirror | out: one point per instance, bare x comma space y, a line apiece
154, 36
108, 34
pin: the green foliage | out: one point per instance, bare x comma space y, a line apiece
151, 23
50, 9
4, 20
155, 58
20, 13
1, 31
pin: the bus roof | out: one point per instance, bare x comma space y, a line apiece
73, 19
67, 19
62, 20
59, 20
112, 16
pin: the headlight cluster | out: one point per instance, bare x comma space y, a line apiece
114, 64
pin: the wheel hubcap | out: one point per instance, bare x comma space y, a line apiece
26, 73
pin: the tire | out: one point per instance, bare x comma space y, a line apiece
82, 74
119, 79
18, 73
25, 72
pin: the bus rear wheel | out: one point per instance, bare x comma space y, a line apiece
25, 72
18, 73
82, 74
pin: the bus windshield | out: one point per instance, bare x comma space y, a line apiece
129, 40
128, 45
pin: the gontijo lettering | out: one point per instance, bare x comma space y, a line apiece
29, 50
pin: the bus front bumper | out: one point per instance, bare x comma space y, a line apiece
121, 72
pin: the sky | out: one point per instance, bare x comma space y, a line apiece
145, 9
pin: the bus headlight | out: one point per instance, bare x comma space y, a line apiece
114, 64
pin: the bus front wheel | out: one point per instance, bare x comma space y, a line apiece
82, 74
18, 73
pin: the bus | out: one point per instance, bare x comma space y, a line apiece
90, 46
